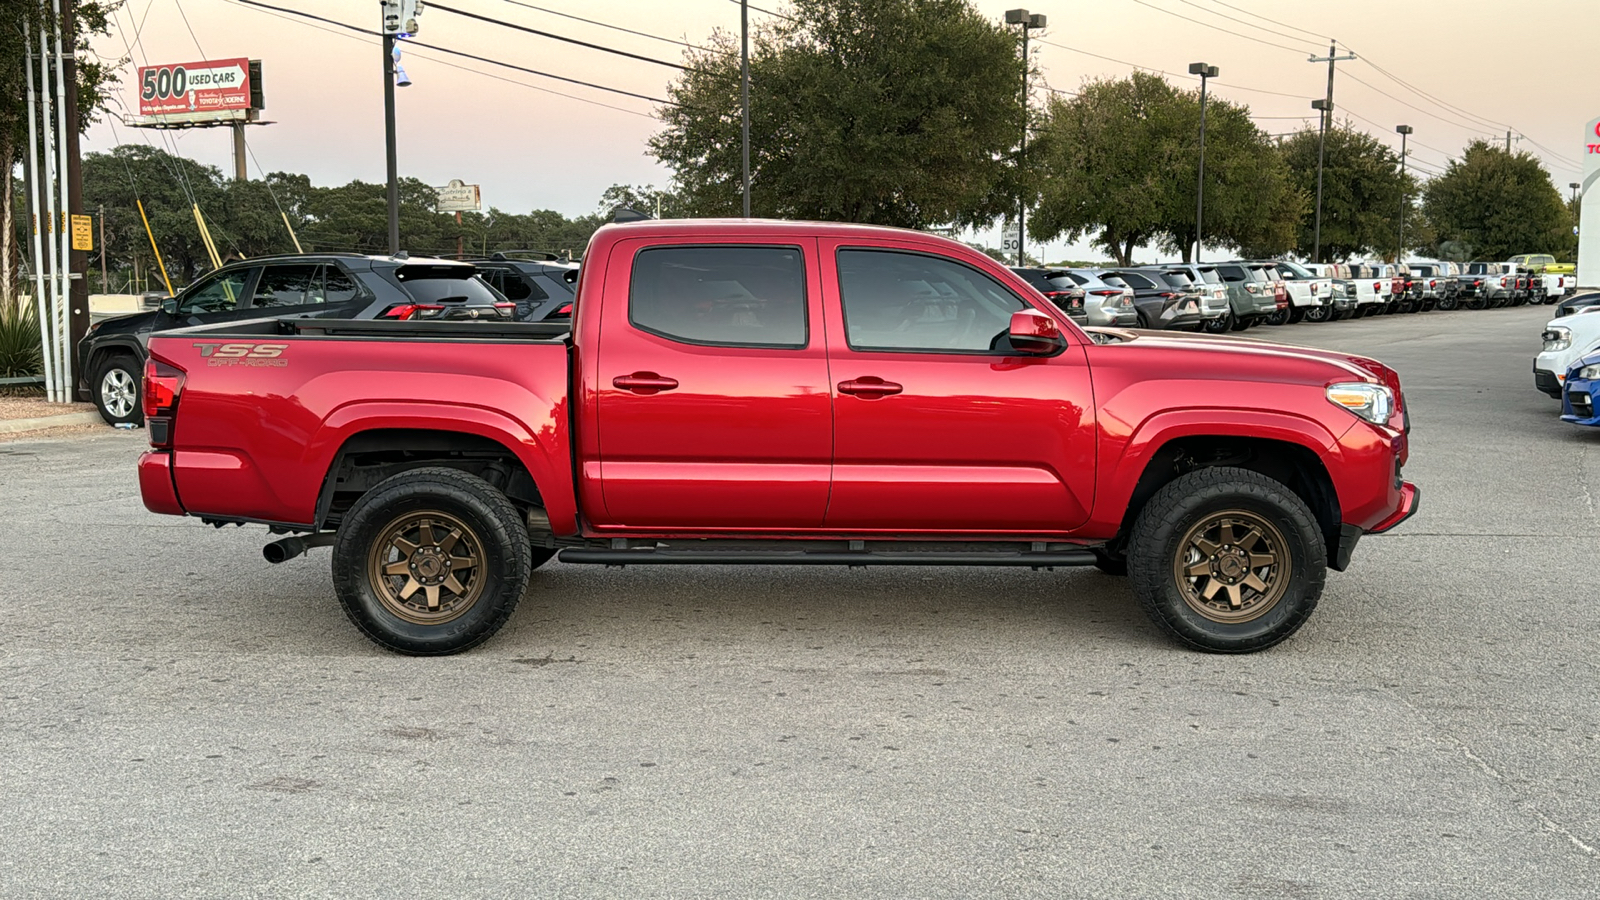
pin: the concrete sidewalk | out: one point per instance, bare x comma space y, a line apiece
21, 414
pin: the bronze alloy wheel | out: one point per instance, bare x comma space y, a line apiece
427, 567
1233, 566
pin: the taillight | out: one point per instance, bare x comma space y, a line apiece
1433, 282
1168, 295
1105, 293
162, 386
564, 309
1377, 287
1250, 288
414, 311
1502, 282
505, 306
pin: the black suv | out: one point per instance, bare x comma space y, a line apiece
541, 284
345, 286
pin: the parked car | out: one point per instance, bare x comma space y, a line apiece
1542, 264
541, 285
1429, 285
1342, 289
1310, 295
1492, 284
1371, 289
1057, 288
111, 355
1214, 306
1576, 303
1566, 340
1578, 396
1159, 304
1251, 295
1104, 305
946, 415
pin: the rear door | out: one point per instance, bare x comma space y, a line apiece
307, 289
713, 407
938, 425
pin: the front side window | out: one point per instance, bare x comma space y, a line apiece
219, 293
908, 301
721, 295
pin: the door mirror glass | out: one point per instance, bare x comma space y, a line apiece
170, 306
1034, 332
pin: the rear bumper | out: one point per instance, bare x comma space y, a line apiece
156, 487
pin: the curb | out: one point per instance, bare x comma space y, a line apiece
13, 426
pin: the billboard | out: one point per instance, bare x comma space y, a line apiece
459, 197
210, 86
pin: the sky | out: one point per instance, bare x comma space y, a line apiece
1470, 68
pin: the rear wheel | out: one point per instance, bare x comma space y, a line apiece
1278, 316
1227, 560
1447, 303
1218, 325
1318, 313
431, 562
1239, 324
1297, 315
116, 390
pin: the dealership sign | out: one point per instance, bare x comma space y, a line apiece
459, 197
210, 86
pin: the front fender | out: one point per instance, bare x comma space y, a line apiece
1118, 480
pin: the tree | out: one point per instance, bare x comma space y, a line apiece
662, 204
1361, 187
1497, 204
894, 112
1120, 162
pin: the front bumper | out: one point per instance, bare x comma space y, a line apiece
1547, 382
1410, 499
1578, 402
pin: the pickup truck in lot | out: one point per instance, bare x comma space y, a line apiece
748, 392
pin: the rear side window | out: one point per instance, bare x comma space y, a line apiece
1177, 279
1232, 274
725, 296
1137, 281
1210, 276
287, 285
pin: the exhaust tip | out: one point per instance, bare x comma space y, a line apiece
286, 549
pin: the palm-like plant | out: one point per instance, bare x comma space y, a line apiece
19, 342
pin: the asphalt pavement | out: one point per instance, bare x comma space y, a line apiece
180, 719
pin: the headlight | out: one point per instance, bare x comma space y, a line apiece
1587, 373
1557, 338
1372, 402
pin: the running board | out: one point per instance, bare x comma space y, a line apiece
648, 557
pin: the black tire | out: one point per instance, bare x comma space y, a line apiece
1447, 304
1144, 321
117, 389
1218, 325
480, 517
1278, 316
1239, 324
1297, 315
1165, 537
1322, 313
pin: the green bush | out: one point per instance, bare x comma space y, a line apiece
19, 342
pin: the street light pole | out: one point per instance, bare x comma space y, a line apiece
1205, 72
1400, 242
1028, 22
1574, 185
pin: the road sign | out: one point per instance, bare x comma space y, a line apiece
459, 197
1010, 237
82, 233
198, 87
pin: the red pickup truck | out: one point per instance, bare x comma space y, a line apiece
747, 392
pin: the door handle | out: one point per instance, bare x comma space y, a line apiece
644, 383
868, 387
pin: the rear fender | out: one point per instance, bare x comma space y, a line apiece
544, 452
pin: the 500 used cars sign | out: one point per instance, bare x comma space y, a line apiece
209, 86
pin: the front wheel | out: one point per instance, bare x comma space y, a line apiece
1227, 560
116, 390
431, 562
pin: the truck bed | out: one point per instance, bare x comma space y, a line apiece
268, 404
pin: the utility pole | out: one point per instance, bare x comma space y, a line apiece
78, 287
105, 286
744, 99
1400, 242
1028, 21
1509, 139
1326, 106
388, 143
1205, 72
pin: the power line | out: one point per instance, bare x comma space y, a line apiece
1247, 12
643, 34
769, 12
1218, 27
362, 34
1417, 108
1240, 21
556, 37
185, 16
484, 59
1216, 85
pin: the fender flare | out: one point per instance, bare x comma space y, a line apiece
547, 465
1117, 487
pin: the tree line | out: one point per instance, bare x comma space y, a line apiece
911, 113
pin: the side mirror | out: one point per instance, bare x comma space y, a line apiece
170, 306
1034, 332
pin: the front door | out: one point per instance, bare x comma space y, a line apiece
712, 380
939, 426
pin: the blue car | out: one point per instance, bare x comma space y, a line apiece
1578, 398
